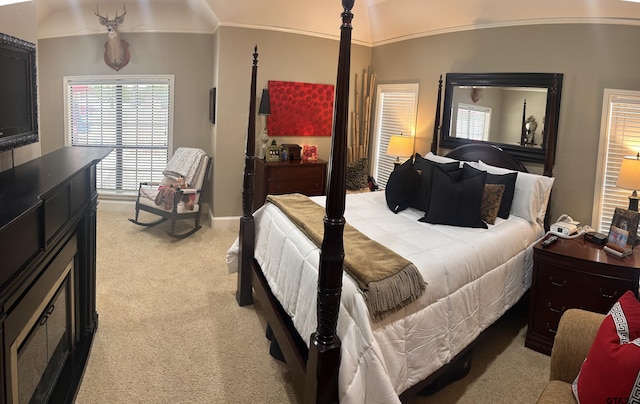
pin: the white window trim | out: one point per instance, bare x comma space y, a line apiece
606, 161
408, 129
110, 79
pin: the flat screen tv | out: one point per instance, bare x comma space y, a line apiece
18, 97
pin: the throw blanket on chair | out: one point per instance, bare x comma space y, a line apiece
387, 281
185, 163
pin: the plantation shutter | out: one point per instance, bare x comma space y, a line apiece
619, 137
473, 122
132, 115
396, 110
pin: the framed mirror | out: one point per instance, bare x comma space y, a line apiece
517, 112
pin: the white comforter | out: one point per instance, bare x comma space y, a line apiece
473, 276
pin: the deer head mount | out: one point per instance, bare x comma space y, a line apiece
116, 50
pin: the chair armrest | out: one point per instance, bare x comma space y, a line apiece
150, 183
188, 191
576, 333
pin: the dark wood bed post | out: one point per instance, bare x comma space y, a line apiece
436, 124
324, 349
550, 147
244, 294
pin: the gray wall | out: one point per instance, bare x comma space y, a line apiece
187, 56
591, 57
282, 56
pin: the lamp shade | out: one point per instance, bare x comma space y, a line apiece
629, 177
400, 146
265, 103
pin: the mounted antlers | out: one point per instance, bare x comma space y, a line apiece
116, 50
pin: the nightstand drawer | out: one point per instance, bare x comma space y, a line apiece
602, 291
297, 172
306, 186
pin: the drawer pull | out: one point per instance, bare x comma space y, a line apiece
564, 282
555, 310
551, 330
611, 296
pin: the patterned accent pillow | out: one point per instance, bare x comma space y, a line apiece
612, 368
491, 200
357, 175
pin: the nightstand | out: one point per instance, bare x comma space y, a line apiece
308, 177
573, 273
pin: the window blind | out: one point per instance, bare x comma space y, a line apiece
132, 115
619, 137
396, 110
473, 122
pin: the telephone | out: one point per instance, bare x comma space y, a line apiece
565, 226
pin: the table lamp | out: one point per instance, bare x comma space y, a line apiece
264, 110
400, 146
629, 178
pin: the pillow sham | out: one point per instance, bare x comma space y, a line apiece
531, 195
456, 202
491, 199
612, 367
357, 175
401, 186
509, 182
438, 159
424, 167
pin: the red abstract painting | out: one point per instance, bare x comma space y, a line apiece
300, 109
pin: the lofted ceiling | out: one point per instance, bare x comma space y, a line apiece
375, 21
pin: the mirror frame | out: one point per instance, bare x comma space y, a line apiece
551, 81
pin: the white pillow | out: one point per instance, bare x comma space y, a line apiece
531, 196
438, 159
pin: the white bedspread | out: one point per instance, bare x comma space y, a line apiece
473, 276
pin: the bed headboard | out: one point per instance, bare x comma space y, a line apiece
489, 154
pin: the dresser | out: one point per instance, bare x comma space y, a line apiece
48, 275
308, 177
573, 273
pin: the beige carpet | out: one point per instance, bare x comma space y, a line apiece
170, 331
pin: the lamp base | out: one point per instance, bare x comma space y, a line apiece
633, 201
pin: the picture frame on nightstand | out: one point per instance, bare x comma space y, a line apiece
628, 220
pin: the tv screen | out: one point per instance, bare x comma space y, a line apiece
18, 98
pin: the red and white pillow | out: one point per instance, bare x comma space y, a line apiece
611, 372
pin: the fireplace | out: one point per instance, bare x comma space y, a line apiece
44, 343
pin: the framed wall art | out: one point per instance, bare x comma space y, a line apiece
300, 109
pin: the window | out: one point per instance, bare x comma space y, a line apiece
619, 137
396, 110
473, 122
131, 114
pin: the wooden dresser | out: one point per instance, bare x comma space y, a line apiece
48, 275
308, 177
573, 273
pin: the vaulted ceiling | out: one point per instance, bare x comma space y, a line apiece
375, 22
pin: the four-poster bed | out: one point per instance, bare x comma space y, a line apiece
304, 291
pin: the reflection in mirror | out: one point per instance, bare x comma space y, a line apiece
497, 113
516, 111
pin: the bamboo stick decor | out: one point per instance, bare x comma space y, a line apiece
361, 116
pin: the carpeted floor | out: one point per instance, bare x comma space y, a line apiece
170, 331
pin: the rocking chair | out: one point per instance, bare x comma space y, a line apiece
180, 193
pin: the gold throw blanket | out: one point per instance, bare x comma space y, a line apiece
387, 281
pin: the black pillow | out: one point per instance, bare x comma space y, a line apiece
456, 202
402, 184
424, 167
509, 182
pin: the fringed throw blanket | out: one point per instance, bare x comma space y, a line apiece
387, 281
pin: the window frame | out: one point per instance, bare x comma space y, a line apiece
607, 196
380, 161
164, 79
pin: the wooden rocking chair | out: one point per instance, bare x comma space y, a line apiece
180, 194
